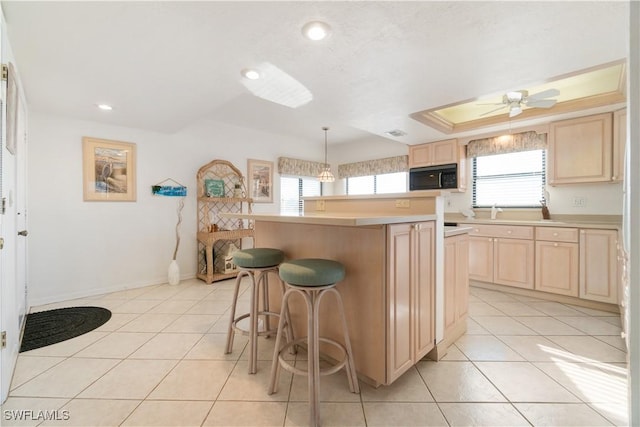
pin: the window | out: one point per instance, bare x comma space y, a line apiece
293, 189
378, 184
509, 180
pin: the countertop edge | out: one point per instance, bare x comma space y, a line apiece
353, 220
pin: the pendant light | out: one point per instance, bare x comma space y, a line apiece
326, 175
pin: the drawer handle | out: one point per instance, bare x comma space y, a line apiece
555, 244
555, 234
509, 232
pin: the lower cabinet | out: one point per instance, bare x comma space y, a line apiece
456, 284
599, 265
410, 295
502, 254
557, 260
571, 261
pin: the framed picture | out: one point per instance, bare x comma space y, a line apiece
214, 187
109, 170
260, 180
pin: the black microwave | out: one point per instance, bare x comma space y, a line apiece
433, 177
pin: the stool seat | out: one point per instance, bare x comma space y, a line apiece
311, 272
258, 257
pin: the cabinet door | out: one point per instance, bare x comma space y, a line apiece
580, 150
420, 155
619, 143
399, 328
557, 267
481, 258
444, 152
598, 265
434, 153
456, 280
450, 263
513, 262
462, 276
423, 289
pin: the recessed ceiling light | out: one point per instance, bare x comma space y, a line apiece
105, 107
316, 30
250, 74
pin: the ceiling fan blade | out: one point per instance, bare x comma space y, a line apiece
544, 94
514, 112
541, 103
493, 111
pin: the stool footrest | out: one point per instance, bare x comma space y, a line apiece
323, 371
261, 332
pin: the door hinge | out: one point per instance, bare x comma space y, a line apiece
3, 206
1, 242
4, 339
5, 72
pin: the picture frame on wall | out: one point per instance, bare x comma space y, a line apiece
109, 170
260, 180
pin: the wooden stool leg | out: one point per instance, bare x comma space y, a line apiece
275, 363
351, 367
253, 326
230, 330
313, 357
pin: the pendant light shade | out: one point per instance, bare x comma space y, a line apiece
326, 175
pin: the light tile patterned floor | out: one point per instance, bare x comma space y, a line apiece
160, 361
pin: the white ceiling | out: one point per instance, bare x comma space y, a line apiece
166, 65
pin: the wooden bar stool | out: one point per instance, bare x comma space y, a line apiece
312, 278
256, 263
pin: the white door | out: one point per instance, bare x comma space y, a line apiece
13, 280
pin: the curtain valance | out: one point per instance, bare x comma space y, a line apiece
525, 141
374, 167
298, 167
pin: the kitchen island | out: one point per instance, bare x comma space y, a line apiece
390, 290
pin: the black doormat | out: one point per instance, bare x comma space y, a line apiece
53, 326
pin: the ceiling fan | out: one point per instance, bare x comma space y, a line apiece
517, 99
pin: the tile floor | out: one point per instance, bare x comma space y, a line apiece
160, 361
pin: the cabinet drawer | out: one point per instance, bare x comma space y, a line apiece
508, 231
557, 234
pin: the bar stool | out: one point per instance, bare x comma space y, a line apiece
312, 278
256, 263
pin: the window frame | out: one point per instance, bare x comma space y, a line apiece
542, 174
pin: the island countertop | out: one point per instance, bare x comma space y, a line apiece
341, 219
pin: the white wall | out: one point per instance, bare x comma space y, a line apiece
79, 248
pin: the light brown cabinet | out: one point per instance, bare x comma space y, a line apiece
557, 260
410, 296
599, 265
456, 285
619, 142
434, 153
440, 153
502, 254
580, 150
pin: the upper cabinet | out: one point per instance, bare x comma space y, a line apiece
435, 153
619, 142
440, 153
581, 150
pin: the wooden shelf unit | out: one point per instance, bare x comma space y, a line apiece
215, 233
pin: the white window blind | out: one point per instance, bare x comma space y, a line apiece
509, 180
293, 189
378, 184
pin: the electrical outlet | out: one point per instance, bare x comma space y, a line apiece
319, 205
579, 201
403, 203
